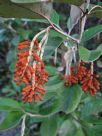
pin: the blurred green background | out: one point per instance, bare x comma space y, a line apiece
13, 31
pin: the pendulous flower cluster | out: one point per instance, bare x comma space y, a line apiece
30, 70
70, 79
84, 76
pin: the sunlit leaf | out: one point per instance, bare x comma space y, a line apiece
90, 55
73, 19
91, 32
97, 11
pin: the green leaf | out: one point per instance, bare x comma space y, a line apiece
15, 40
97, 11
27, 1
94, 119
95, 130
99, 3
10, 10
91, 32
71, 97
93, 106
74, 2
55, 84
90, 110
54, 80
51, 70
71, 128
54, 34
66, 100
11, 56
11, 120
51, 106
52, 44
54, 17
7, 104
58, 88
31, 108
37, 119
48, 96
31, 11
90, 55
2, 34
74, 18
49, 127
24, 33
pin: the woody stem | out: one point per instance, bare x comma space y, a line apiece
32, 45
92, 68
23, 125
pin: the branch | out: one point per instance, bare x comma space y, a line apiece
83, 22
94, 8
23, 125
36, 115
61, 32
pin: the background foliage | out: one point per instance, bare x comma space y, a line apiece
66, 111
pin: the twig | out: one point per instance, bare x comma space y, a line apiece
83, 22
33, 76
92, 68
51, 23
61, 32
94, 8
23, 125
45, 42
31, 47
36, 115
55, 56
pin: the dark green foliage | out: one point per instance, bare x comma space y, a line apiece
65, 111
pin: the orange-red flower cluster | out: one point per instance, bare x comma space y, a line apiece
30, 70
88, 81
71, 79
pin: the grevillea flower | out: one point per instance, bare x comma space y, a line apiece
30, 70
34, 89
89, 81
70, 79
82, 71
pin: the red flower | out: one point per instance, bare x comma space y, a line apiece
82, 71
32, 74
89, 82
71, 79
35, 92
